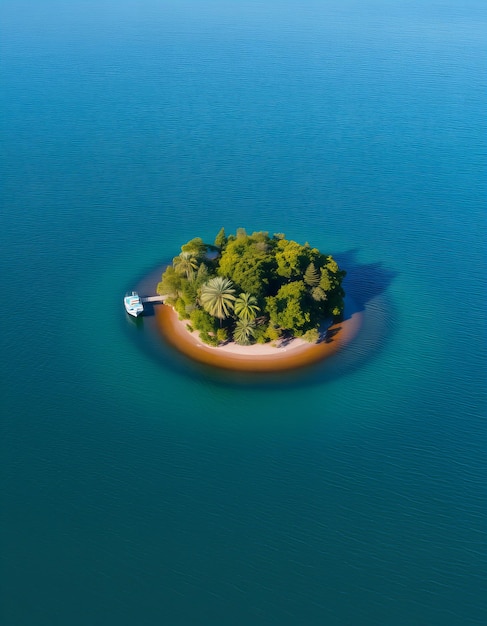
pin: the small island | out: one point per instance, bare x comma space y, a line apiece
253, 288
254, 302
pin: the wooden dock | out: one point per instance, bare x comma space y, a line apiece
154, 299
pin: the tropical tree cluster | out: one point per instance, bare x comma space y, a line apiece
253, 288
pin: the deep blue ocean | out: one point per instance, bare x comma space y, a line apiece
139, 489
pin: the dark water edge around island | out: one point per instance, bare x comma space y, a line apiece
140, 488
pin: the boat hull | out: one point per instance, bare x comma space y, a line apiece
133, 304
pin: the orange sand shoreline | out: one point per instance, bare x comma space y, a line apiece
259, 357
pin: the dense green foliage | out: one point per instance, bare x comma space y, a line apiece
256, 288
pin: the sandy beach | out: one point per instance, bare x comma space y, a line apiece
258, 357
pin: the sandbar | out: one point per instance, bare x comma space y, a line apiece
268, 357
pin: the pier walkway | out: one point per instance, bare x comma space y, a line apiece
155, 299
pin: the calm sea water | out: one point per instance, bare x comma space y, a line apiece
141, 489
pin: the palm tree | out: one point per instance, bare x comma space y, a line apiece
246, 306
217, 297
244, 331
185, 264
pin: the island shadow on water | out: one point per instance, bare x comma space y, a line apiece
366, 287
364, 281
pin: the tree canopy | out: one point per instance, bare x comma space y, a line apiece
257, 288
217, 297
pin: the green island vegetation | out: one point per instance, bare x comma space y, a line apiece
253, 288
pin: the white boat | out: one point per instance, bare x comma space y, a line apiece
133, 304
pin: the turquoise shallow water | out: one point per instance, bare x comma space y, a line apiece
142, 489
